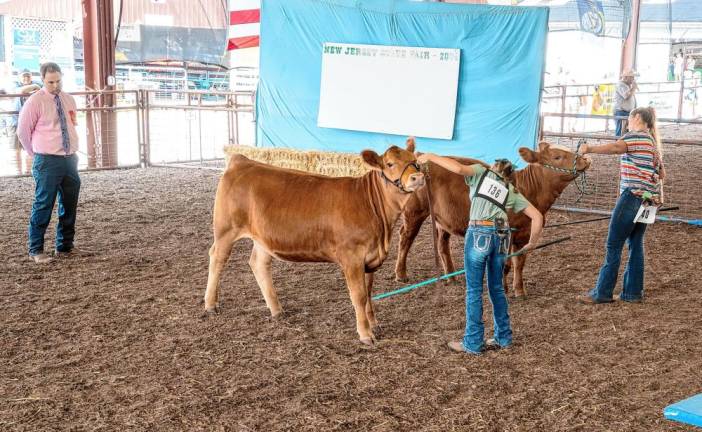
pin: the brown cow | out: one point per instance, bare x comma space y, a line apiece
301, 217
541, 182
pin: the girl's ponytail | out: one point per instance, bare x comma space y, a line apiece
648, 115
653, 128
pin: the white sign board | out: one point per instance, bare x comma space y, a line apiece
243, 78
389, 89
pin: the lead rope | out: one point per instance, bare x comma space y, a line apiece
582, 186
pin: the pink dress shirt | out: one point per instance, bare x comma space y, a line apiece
38, 128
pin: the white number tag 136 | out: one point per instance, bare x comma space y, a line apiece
493, 189
646, 214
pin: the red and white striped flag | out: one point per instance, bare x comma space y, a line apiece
244, 23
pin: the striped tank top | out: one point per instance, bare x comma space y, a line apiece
640, 165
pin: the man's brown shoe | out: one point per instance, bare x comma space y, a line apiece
619, 298
492, 344
74, 252
41, 258
587, 299
458, 347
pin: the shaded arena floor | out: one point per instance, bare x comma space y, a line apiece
117, 340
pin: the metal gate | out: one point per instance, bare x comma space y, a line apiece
144, 128
565, 123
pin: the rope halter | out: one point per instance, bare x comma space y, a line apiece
398, 183
575, 172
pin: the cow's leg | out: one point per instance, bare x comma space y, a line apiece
410, 228
508, 267
445, 251
219, 254
370, 312
518, 280
355, 279
260, 263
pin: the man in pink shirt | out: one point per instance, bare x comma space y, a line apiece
47, 131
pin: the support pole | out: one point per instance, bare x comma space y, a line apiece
99, 63
631, 42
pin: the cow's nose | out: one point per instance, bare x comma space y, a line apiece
416, 177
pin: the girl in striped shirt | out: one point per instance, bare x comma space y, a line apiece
641, 175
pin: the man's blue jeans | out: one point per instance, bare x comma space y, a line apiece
482, 250
623, 229
54, 176
620, 123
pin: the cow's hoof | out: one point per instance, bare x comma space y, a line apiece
519, 298
403, 279
277, 316
451, 283
209, 312
370, 342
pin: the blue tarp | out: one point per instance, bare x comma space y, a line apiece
687, 411
499, 90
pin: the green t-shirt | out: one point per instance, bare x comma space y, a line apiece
482, 209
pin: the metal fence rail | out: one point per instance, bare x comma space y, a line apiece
191, 128
564, 122
569, 105
195, 130
683, 159
132, 128
120, 127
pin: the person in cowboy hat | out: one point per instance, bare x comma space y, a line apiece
625, 99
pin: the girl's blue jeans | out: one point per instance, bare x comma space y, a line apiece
482, 251
622, 229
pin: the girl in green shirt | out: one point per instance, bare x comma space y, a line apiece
486, 245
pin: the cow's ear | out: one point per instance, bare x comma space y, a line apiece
528, 155
410, 144
372, 160
543, 146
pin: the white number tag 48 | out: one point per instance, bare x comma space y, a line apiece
646, 214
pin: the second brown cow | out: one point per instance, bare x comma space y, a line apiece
541, 182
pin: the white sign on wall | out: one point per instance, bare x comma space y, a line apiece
129, 33
389, 89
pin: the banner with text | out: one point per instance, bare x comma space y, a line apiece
498, 80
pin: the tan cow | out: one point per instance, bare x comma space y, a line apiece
541, 182
301, 217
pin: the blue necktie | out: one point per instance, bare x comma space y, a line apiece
65, 140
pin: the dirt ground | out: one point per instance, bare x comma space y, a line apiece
118, 341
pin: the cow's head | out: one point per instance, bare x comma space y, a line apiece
556, 158
397, 166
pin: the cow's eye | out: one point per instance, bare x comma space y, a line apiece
390, 164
